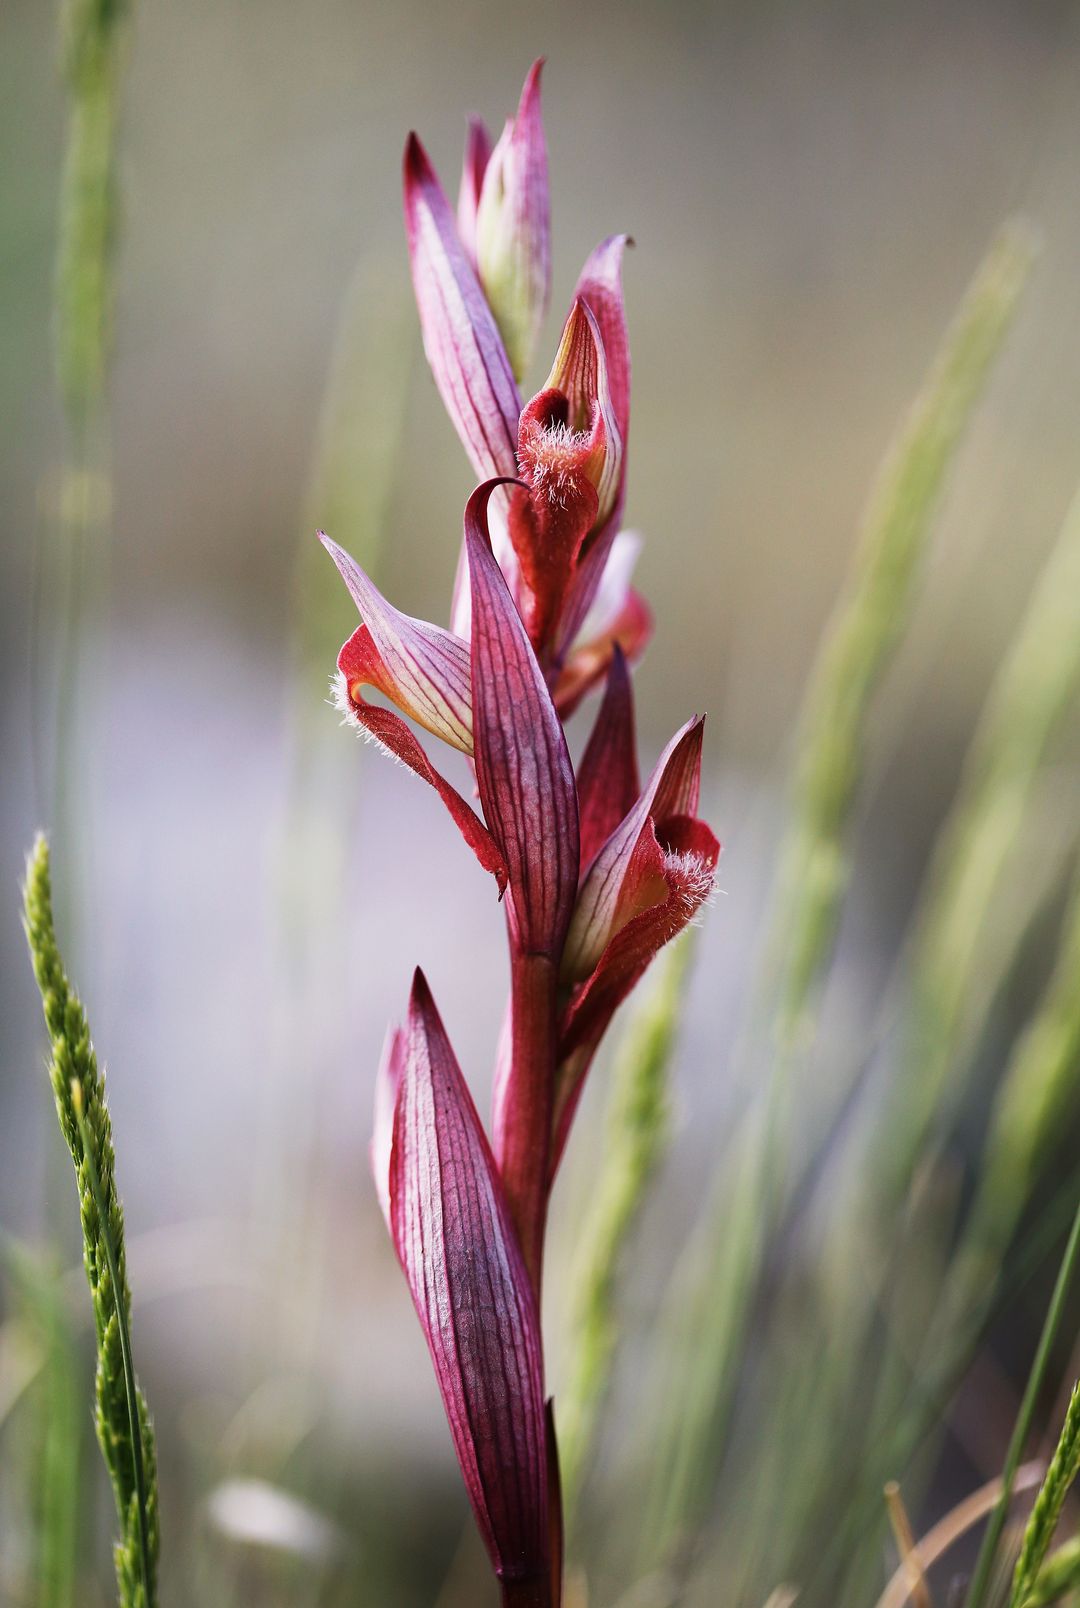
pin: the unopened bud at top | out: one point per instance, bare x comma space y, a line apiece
513, 228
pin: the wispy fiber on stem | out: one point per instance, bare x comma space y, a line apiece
123, 1422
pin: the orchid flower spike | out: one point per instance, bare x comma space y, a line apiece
596, 872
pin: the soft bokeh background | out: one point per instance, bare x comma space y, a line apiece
809, 186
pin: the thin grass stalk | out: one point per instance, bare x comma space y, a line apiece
635, 1141
123, 1422
1064, 1467
1034, 689
1036, 1094
1055, 1312
54, 1357
867, 626
94, 38
814, 861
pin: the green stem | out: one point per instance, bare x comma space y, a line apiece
988, 1550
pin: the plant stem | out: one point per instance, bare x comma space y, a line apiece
526, 1121
1055, 1312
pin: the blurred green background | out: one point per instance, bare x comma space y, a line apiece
810, 187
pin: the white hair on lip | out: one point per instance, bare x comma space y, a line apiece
341, 700
690, 877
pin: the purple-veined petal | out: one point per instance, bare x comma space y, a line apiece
427, 668
359, 666
477, 157
607, 777
624, 879
513, 227
685, 859
523, 769
456, 1243
463, 345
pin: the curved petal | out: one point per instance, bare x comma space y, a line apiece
523, 769
422, 668
624, 878
462, 342
359, 665
453, 1234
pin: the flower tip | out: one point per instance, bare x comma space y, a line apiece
416, 164
420, 999
531, 89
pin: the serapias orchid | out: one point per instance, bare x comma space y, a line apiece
596, 872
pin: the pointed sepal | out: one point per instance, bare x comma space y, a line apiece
454, 1238
463, 344
607, 776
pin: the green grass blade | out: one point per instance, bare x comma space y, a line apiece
1035, 687
1036, 1094
815, 870
123, 1423
94, 36
60, 1410
868, 624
